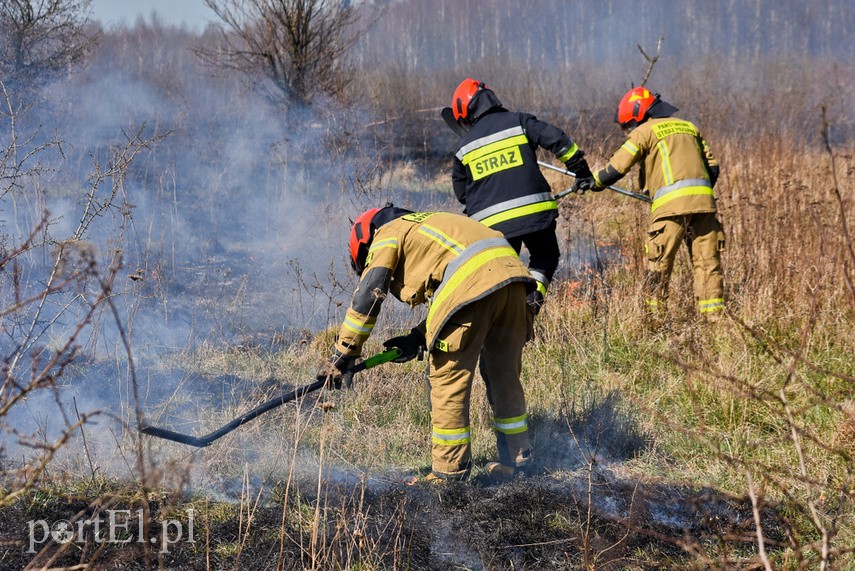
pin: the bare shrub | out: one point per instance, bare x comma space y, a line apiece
40, 40
299, 46
54, 291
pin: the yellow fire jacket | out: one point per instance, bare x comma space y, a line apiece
675, 167
445, 260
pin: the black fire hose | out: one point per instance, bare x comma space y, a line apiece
202, 441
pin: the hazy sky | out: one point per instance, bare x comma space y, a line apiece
193, 13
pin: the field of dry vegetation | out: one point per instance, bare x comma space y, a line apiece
171, 253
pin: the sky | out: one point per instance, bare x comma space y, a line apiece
192, 13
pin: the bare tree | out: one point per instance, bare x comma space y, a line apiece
298, 45
40, 39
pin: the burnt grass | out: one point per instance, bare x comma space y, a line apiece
585, 520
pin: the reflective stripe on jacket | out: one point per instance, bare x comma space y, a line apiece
495, 172
444, 259
674, 167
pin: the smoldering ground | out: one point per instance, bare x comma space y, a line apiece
575, 511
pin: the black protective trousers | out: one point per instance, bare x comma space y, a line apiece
543, 252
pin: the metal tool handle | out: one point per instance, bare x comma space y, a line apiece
571, 173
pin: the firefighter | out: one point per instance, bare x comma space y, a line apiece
679, 169
476, 285
496, 176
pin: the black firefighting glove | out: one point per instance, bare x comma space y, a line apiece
411, 346
579, 167
584, 177
337, 372
535, 301
584, 184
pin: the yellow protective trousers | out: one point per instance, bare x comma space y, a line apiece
703, 234
497, 326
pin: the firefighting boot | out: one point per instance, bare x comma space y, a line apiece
435, 478
712, 318
440, 480
498, 473
655, 316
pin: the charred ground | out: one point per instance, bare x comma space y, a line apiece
548, 521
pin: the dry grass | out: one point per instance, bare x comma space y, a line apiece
756, 412
757, 408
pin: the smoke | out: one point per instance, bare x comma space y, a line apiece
231, 222
233, 193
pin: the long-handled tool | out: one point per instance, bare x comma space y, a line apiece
447, 115
202, 441
568, 191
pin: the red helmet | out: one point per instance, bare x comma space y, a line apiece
463, 96
360, 239
634, 105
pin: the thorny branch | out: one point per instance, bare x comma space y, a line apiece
32, 472
71, 285
14, 167
115, 172
758, 522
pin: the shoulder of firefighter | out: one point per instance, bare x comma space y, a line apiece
679, 166
443, 259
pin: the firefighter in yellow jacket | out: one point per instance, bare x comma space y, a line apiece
476, 287
679, 170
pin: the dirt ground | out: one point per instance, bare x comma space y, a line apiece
549, 521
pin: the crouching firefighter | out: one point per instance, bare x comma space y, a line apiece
679, 169
476, 286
